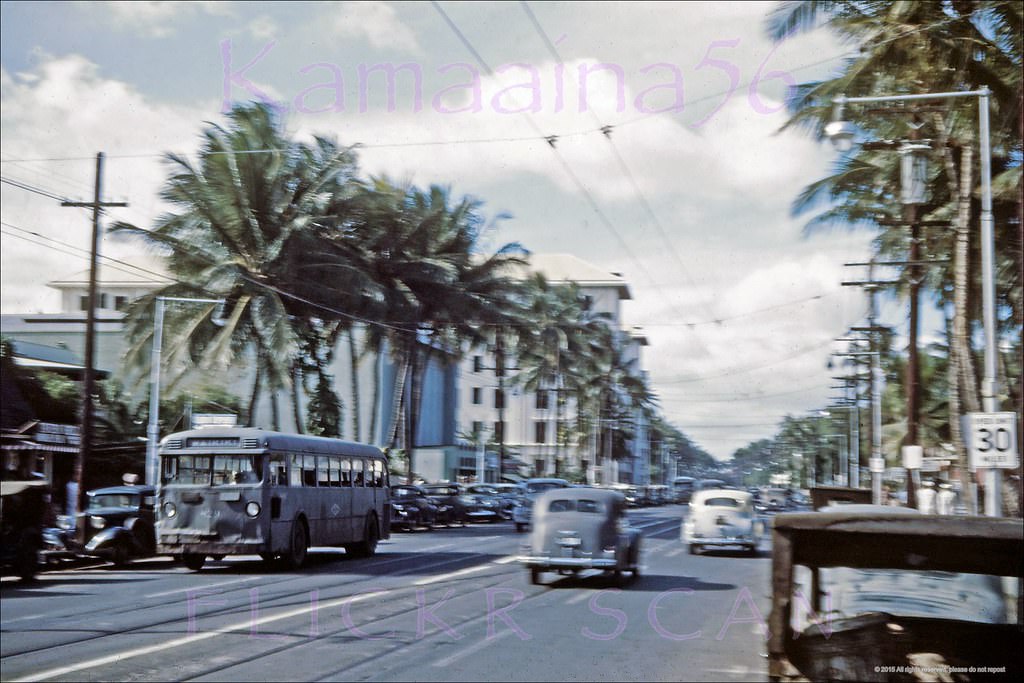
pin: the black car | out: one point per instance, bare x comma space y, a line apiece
119, 523
451, 508
411, 507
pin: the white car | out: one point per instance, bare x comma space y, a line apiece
722, 518
523, 511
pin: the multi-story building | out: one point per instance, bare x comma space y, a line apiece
531, 426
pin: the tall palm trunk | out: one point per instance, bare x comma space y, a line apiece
375, 413
296, 392
415, 393
254, 397
353, 355
398, 400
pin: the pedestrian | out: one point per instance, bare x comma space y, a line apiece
945, 500
926, 497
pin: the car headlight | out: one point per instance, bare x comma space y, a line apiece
252, 509
169, 509
97, 522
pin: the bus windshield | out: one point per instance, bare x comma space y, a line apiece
206, 470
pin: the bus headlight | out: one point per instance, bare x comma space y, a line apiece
252, 509
97, 522
169, 509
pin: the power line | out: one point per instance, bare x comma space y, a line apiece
753, 368
32, 188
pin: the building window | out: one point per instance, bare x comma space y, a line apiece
104, 300
478, 429
588, 302
477, 396
83, 303
542, 400
499, 398
499, 431
120, 303
540, 432
478, 363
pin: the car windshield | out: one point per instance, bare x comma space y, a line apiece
581, 505
722, 502
403, 492
484, 490
113, 500
538, 486
441, 490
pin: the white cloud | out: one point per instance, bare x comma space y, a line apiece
54, 123
376, 22
156, 19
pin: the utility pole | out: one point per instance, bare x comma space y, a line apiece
89, 377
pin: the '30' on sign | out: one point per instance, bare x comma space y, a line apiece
991, 439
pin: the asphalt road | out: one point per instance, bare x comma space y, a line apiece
445, 605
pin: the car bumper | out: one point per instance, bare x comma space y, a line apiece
722, 541
544, 562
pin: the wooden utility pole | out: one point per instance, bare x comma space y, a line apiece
89, 378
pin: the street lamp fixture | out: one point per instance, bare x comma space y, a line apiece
153, 431
841, 134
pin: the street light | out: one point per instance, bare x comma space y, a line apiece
841, 133
153, 431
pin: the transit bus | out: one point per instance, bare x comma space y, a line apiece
246, 491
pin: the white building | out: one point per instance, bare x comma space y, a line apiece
531, 419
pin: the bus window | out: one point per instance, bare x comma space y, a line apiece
322, 478
309, 470
295, 473
278, 472
234, 469
193, 469
334, 468
378, 473
357, 470
346, 472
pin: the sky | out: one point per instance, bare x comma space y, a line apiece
688, 194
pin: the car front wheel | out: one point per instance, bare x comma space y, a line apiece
194, 561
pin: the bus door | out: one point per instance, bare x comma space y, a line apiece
277, 490
348, 527
362, 494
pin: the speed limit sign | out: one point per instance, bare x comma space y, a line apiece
991, 439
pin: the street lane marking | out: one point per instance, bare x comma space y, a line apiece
579, 597
673, 553
465, 652
247, 625
192, 588
462, 572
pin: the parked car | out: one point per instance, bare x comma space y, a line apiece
875, 593
509, 494
22, 512
120, 523
632, 494
451, 508
411, 507
483, 503
576, 529
721, 518
522, 513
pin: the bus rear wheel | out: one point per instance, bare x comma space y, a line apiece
193, 561
297, 549
368, 546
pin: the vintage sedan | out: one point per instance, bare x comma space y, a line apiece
119, 523
411, 507
581, 528
721, 518
451, 508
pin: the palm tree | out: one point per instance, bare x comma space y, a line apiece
242, 212
928, 47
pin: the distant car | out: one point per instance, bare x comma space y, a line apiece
509, 494
773, 500
721, 518
120, 523
523, 512
576, 529
482, 503
451, 509
411, 507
